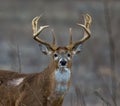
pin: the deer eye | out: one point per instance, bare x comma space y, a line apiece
68, 54
55, 55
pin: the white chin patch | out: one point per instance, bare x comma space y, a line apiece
15, 82
62, 75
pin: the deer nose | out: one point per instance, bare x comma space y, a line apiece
63, 62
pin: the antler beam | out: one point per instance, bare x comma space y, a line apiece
87, 33
37, 31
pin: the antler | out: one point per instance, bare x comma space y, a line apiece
37, 31
87, 33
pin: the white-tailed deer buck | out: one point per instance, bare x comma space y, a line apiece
48, 87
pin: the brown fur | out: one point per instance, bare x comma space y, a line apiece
36, 89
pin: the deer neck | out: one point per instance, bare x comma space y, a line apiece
60, 83
58, 80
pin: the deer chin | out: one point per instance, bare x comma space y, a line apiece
62, 68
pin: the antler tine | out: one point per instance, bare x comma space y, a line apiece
70, 31
54, 38
86, 26
34, 24
37, 31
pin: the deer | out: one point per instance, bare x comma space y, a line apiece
48, 87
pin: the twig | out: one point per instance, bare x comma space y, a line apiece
80, 95
19, 59
102, 98
112, 52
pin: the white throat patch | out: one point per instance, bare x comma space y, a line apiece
15, 82
62, 77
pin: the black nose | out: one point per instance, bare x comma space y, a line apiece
63, 62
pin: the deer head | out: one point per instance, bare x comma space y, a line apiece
62, 56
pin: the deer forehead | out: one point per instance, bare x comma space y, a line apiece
62, 50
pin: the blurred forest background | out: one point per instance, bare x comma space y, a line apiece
96, 70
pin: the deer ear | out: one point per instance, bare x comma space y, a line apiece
77, 49
45, 49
